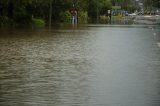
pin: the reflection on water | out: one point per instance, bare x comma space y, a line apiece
91, 66
123, 21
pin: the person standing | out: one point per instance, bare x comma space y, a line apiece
110, 16
74, 17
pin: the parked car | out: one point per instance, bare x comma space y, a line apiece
133, 15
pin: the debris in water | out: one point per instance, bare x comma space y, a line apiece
154, 34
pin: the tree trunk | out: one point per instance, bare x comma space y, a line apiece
50, 14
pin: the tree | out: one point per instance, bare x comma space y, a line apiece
152, 3
50, 14
99, 7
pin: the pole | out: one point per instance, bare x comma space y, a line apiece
97, 13
50, 14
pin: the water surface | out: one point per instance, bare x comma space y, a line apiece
87, 66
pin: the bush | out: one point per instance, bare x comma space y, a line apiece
65, 17
5, 22
38, 22
104, 19
21, 17
82, 17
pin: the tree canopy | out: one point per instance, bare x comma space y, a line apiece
23, 11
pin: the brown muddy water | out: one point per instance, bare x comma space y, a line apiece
87, 66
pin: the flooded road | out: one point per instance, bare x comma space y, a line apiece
87, 66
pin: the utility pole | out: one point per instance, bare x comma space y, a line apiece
50, 13
151, 5
97, 13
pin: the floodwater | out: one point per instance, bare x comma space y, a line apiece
85, 66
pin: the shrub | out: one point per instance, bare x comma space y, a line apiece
5, 22
38, 22
104, 19
65, 17
82, 17
21, 17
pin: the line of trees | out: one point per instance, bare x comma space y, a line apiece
150, 4
23, 12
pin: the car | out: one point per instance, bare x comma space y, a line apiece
132, 15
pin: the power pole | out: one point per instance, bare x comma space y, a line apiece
50, 14
97, 13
